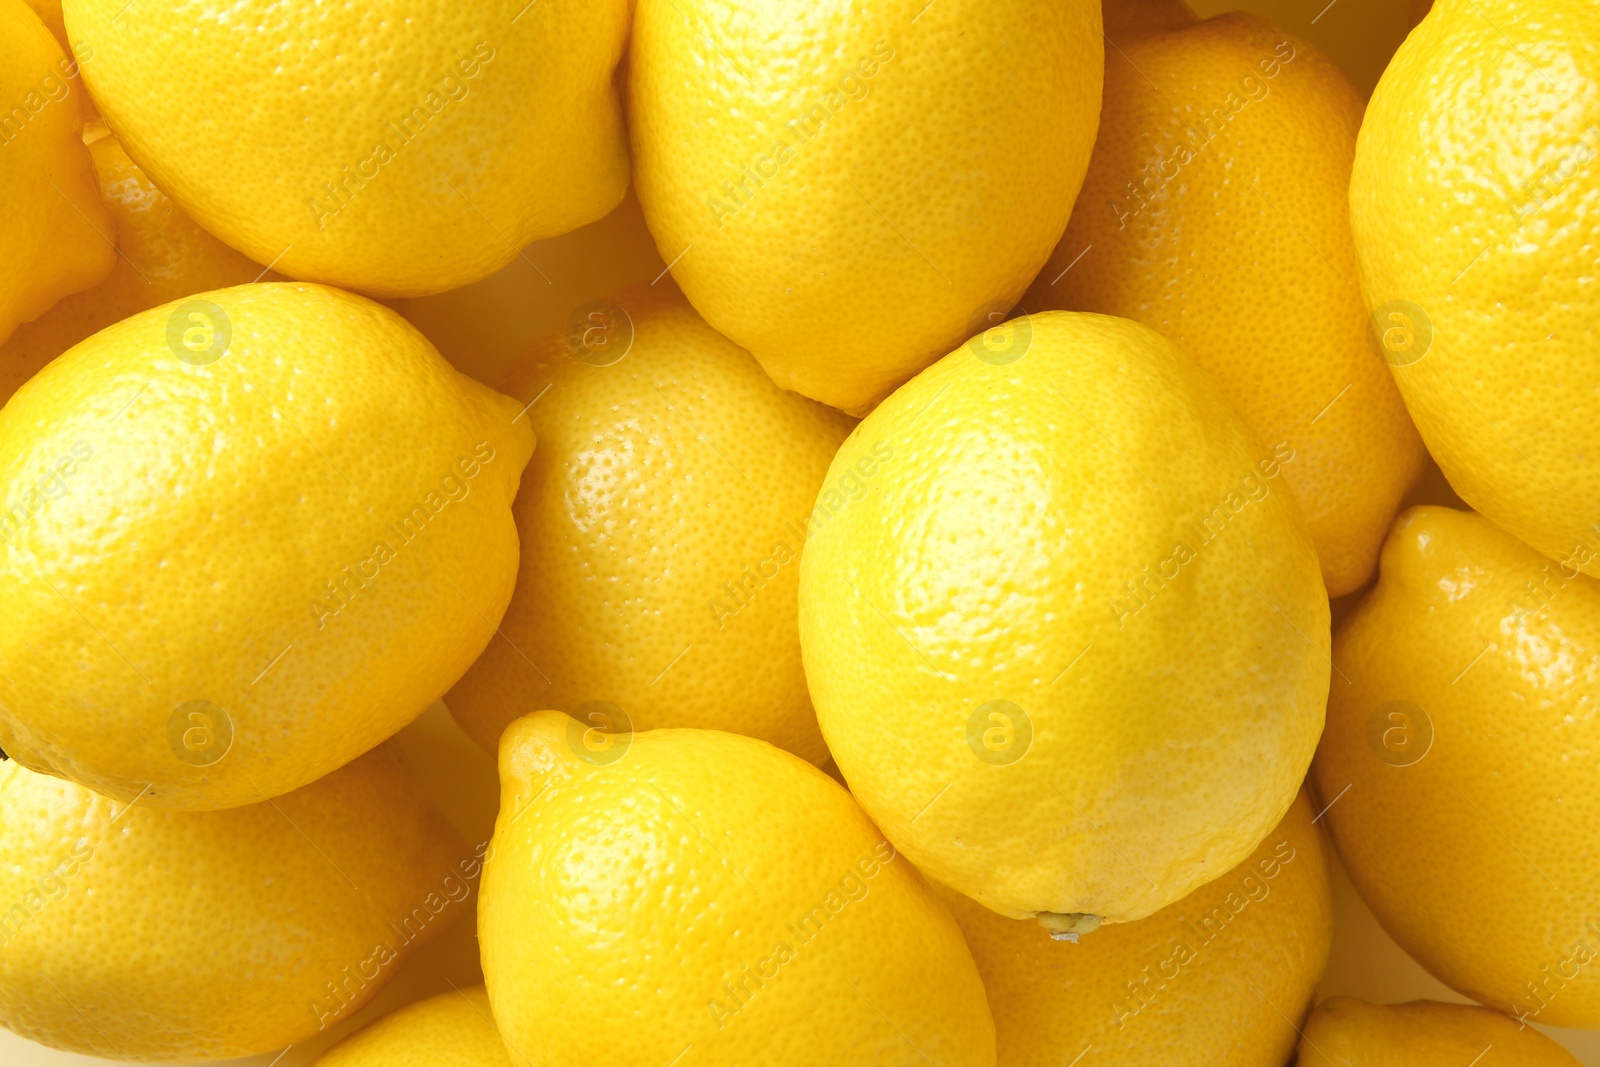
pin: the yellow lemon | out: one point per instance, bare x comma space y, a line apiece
1215, 978
1475, 202
177, 936
661, 523
449, 1030
243, 538
397, 148
1458, 762
54, 230
1346, 1032
1216, 211
1069, 642
705, 896
162, 255
847, 192
49, 12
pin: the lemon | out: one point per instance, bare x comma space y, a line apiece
450, 1030
661, 522
1068, 642
396, 148
1215, 978
1464, 805
55, 233
176, 936
1475, 203
1346, 1032
1216, 211
701, 895
162, 255
244, 537
847, 192
49, 12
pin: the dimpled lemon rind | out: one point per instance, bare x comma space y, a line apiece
245, 537
649, 892
1475, 204
1254, 278
1068, 644
395, 148
1465, 700
661, 521
146, 935
847, 191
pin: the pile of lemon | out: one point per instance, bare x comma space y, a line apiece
903, 625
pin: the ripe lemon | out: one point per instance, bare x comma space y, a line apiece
177, 936
449, 1030
49, 12
162, 255
1346, 1032
55, 233
698, 894
847, 192
1475, 203
1215, 978
396, 148
1457, 759
243, 538
1068, 643
1216, 211
661, 524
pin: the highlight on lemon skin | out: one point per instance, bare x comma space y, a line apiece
814, 938
661, 522
1464, 693
397, 156
1495, 285
165, 936
255, 533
